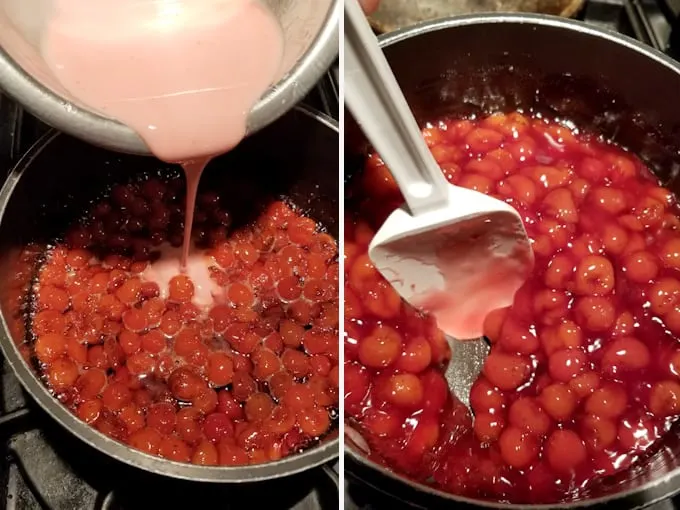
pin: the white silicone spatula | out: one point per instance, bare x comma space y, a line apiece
450, 251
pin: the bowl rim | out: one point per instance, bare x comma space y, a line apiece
647, 493
287, 466
105, 132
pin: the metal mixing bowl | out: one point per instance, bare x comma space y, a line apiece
603, 82
310, 30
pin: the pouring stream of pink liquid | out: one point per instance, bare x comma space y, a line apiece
183, 74
192, 173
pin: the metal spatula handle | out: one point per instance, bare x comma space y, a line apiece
373, 96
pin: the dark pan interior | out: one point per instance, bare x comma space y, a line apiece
604, 84
60, 183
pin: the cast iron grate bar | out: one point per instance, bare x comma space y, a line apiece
328, 92
670, 9
10, 132
12, 419
641, 24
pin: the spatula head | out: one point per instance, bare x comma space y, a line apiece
458, 263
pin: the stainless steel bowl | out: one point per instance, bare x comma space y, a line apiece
604, 82
39, 200
311, 45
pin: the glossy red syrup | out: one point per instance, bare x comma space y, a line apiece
584, 371
251, 378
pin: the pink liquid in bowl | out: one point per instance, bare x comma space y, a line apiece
184, 75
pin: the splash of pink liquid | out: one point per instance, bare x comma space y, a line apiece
206, 290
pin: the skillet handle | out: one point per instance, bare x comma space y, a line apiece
11, 116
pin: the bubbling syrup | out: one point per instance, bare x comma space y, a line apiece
583, 376
234, 362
